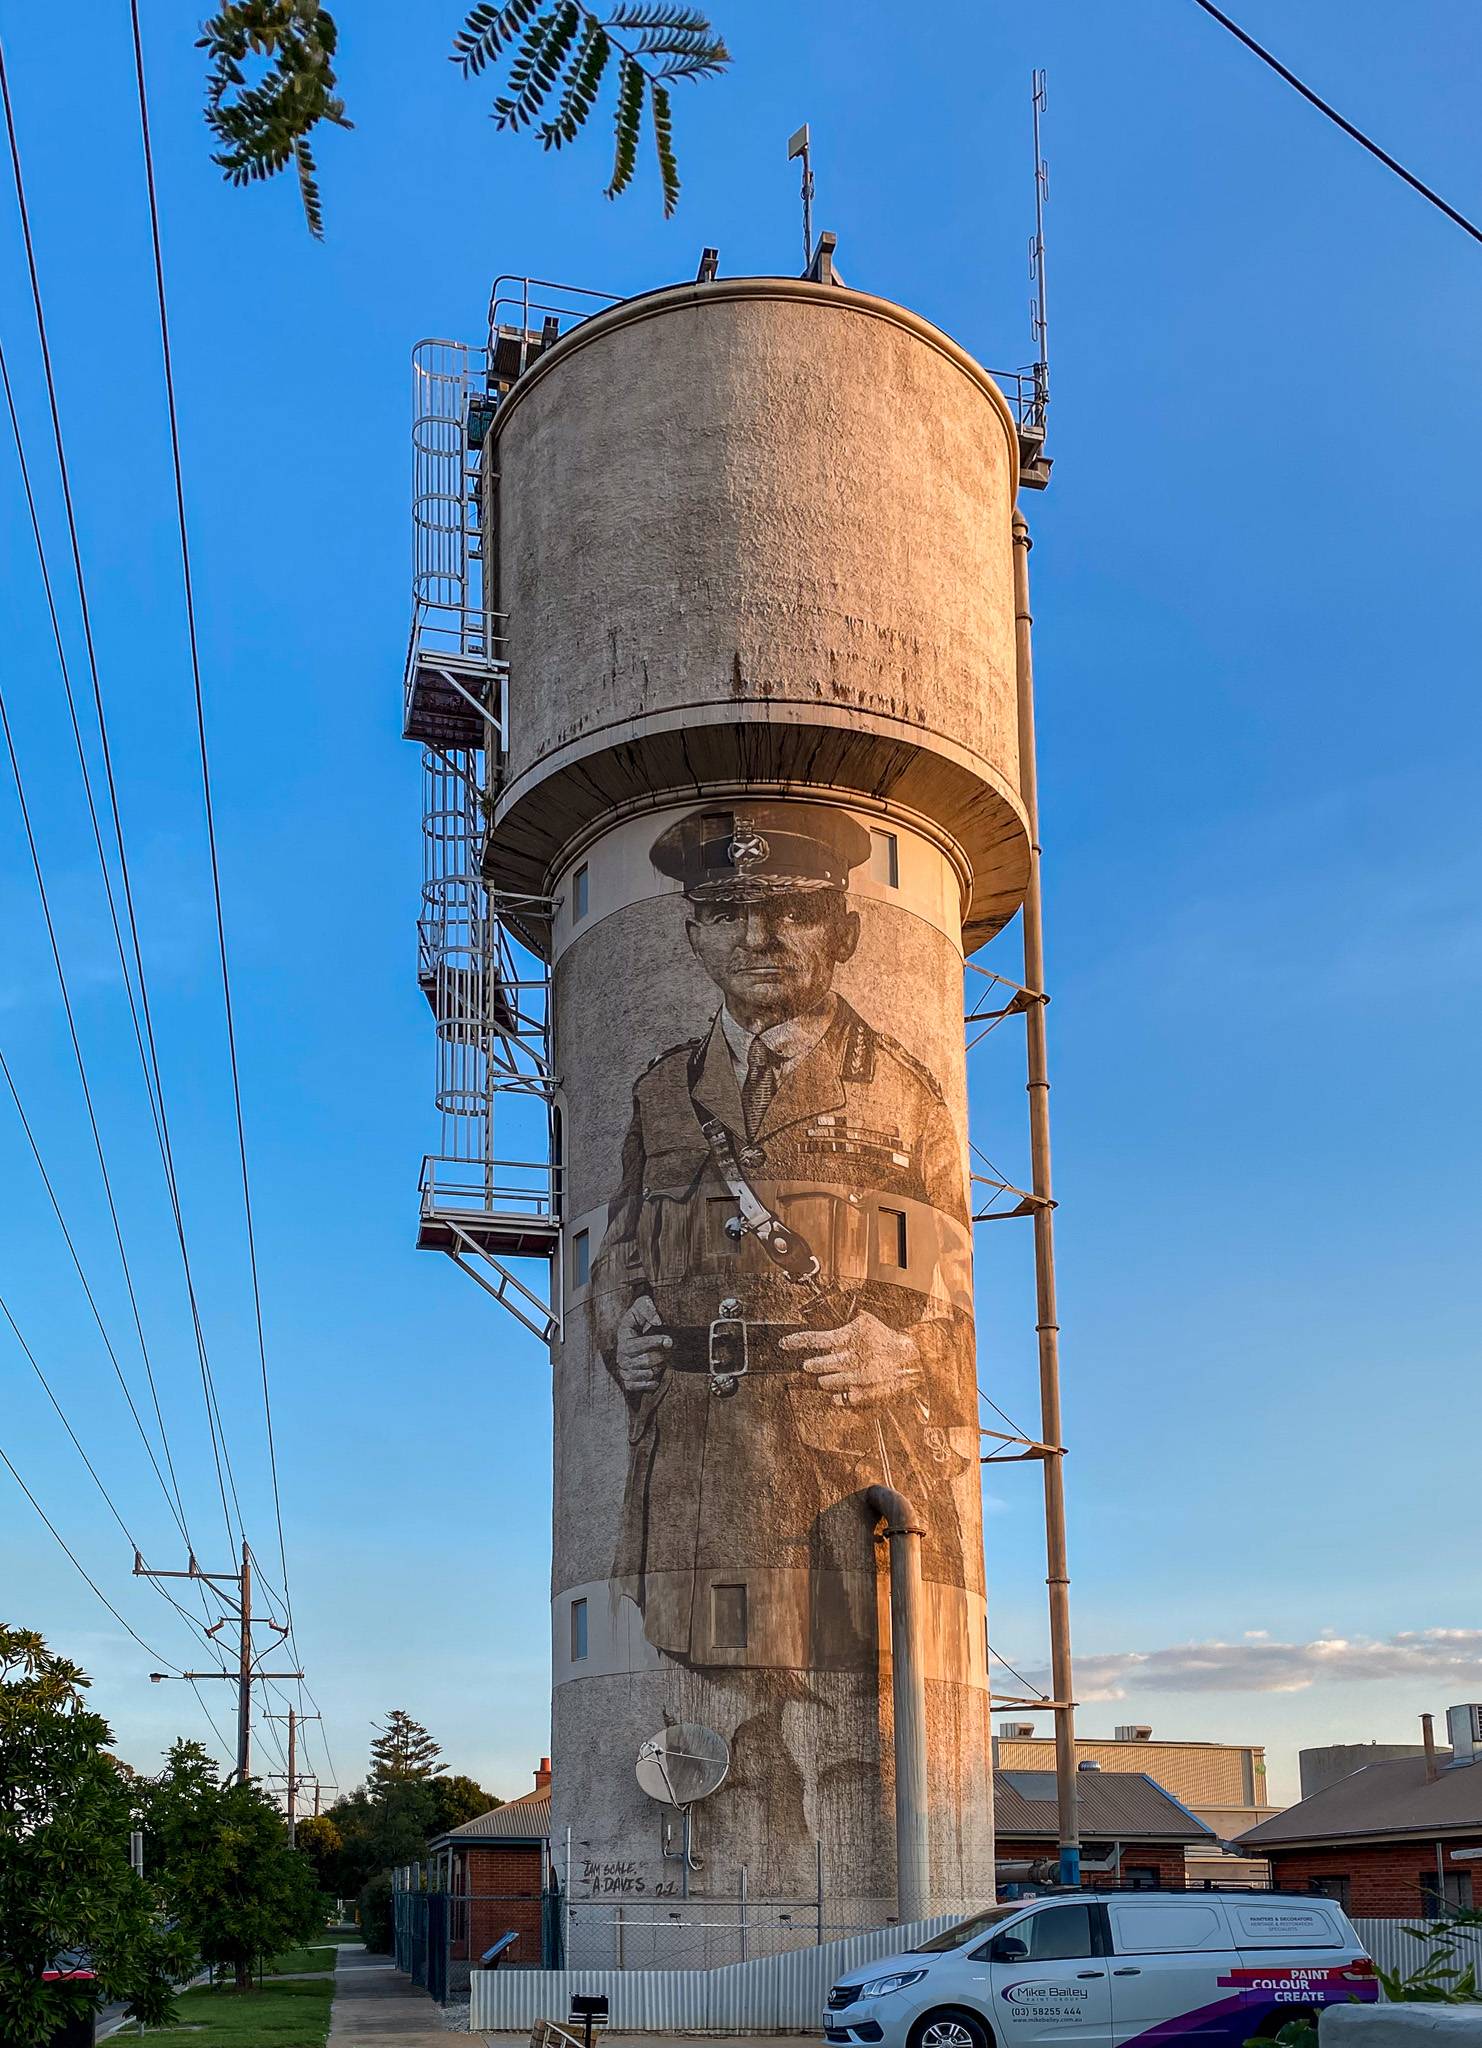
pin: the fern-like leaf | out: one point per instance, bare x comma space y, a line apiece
560, 52
579, 92
487, 31
627, 124
264, 126
663, 128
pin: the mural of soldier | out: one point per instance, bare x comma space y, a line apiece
783, 1289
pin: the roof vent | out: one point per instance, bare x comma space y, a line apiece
1464, 1728
1088, 1763
1133, 1731
1016, 1731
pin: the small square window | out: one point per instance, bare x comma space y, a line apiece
578, 1630
892, 1238
579, 894
728, 1617
581, 1259
885, 859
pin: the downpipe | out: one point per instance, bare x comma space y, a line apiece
903, 1532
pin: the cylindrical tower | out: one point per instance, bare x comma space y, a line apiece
753, 543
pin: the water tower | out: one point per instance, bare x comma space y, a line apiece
721, 687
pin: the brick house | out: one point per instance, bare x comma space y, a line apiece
1130, 1825
497, 1870
1390, 1839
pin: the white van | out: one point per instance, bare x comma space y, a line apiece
1105, 1969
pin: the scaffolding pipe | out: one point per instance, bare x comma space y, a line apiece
908, 1681
1047, 1326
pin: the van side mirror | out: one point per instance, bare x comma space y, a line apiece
1009, 1949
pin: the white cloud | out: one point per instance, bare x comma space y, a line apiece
1257, 1664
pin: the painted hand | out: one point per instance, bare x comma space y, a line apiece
642, 1348
864, 1365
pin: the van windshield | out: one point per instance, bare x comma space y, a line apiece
965, 1931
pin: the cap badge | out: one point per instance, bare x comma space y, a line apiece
747, 849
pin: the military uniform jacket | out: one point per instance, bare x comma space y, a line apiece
856, 1152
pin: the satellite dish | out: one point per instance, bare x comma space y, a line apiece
683, 1764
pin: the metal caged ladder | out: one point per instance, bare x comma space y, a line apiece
480, 953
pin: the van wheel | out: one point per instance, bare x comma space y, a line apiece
952, 2027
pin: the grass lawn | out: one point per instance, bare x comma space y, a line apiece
278, 2016
294, 1961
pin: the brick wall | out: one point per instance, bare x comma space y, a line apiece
502, 1886
1167, 1859
1384, 1878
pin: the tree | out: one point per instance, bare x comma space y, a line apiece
455, 1801
403, 1753
271, 79
320, 1840
65, 1879
222, 1858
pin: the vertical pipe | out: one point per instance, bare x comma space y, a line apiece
1057, 1570
1428, 1737
818, 1846
744, 1888
908, 1688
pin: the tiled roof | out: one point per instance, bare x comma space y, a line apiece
1389, 1798
1119, 1806
526, 1819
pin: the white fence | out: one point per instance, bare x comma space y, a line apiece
773, 1994
1393, 1949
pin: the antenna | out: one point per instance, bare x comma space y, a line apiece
1038, 317
799, 146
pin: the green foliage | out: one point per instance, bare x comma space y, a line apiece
263, 121
321, 1841
277, 2016
376, 1929
564, 51
403, 1753
1298, 2033
1443, 1975
221, 1856
455, 1801
65, 1880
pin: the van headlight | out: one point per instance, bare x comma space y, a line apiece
896, 1981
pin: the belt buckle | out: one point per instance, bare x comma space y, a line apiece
727, 1353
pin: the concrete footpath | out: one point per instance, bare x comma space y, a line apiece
375, 2005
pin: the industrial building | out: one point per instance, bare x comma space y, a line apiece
1222, 1783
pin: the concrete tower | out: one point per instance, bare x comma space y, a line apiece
753, 544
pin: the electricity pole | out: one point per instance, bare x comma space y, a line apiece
246, 1673
295, 1721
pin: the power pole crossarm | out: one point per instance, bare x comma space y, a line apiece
246, 1674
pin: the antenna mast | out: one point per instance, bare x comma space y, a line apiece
1038, 316
799, 146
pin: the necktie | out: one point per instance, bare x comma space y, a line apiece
759, 1086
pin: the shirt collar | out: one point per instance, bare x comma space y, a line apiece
790, 1040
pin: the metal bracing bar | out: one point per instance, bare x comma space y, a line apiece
1047, 1324
547, 1329
1032, 1449
1037, 1702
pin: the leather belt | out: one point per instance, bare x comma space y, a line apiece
716, 1348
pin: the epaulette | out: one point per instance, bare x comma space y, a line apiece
689, 1047
911, 1064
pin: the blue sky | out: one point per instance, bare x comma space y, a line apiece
1257, 657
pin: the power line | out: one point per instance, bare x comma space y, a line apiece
200, 711
220, 1452
1358, 135
92, 1470
81, 1571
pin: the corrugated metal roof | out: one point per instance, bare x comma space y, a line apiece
526, 1819
1120, 1806
1390, 1798
1123, 1806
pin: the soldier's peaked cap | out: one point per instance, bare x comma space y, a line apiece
761, 849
